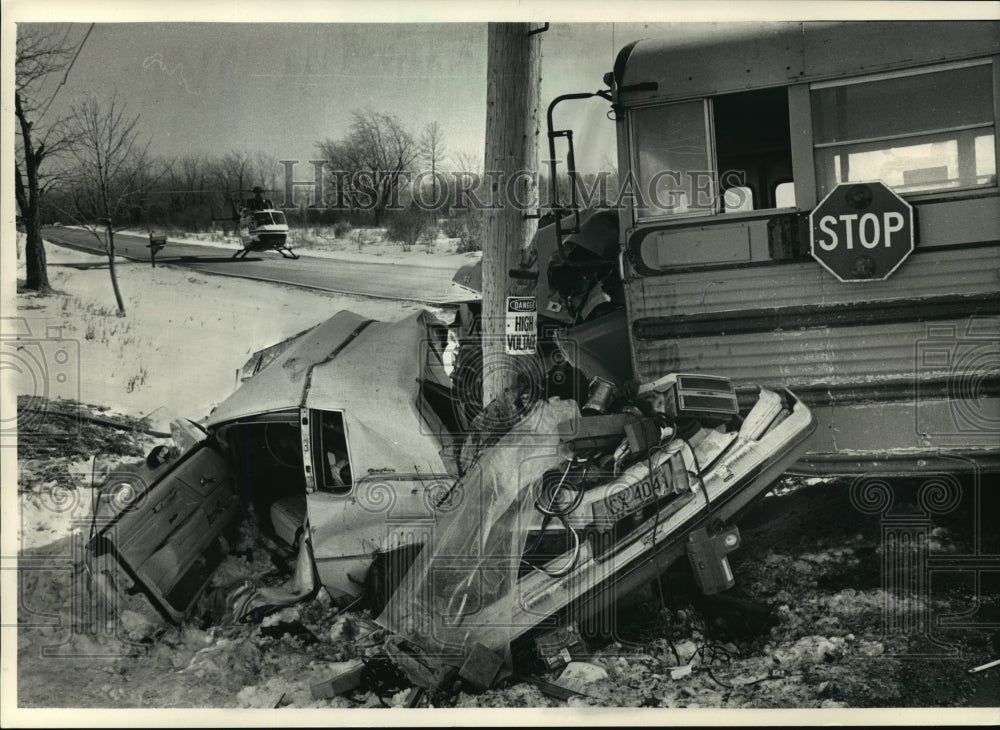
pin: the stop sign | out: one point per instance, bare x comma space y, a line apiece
862, 231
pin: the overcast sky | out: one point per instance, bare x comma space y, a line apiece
207, 87
279, 88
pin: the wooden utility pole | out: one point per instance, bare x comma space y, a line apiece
513, 77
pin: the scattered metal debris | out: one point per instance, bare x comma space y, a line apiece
983, 667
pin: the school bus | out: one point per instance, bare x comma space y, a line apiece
731, 138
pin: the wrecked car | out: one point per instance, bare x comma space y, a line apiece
343, 431
342, 450
570, 511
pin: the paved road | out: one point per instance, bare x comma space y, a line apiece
384, 281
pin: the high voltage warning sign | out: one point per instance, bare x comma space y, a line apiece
522, 325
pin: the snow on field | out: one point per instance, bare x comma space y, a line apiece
183, 337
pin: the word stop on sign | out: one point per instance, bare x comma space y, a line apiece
862, 231
869, 230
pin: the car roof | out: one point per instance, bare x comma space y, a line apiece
371, 371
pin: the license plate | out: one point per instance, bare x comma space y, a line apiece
624, 501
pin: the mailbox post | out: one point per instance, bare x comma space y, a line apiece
157, 240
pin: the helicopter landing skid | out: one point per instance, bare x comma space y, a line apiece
287, 253
241, 253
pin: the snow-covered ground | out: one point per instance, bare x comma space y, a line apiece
183, 337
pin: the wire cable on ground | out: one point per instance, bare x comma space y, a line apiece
382, 677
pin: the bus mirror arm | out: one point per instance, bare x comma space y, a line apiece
554, 199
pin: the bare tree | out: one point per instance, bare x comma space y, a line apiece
238, 171
112, 175
433, 150
375, 155
467, 177
232, 174
265, 167
42, 52
182, 196
467, 161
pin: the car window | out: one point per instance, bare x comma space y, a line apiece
333, 451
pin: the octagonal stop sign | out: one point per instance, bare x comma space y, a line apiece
862, 231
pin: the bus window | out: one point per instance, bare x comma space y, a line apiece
674, 171
916, 132
753, 145
680, 173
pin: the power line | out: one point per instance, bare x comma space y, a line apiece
68, 69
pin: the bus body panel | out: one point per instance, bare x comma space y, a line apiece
715, 58
928, 272
899, 371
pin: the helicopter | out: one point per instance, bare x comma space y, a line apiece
259, 225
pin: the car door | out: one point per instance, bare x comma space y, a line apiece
353, 517
167, 538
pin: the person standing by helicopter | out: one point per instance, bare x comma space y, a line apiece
258, 201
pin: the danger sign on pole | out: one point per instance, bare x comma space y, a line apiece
521, 326
862, 231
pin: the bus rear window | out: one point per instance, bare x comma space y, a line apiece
916, 132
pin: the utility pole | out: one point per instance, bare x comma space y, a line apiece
513, 77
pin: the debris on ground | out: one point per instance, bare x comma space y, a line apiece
817, 640
58, 438
826, 649
345, 677
577, 676
988, 665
